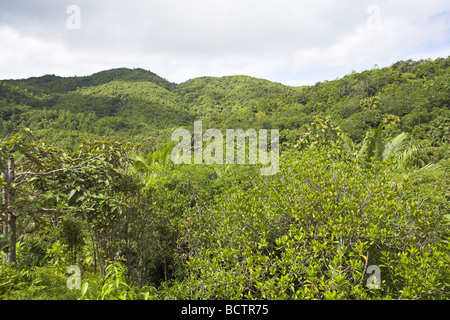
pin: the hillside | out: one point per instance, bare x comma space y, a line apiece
124, 103
55, 84
357, 210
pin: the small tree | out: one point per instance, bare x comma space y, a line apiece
43, 181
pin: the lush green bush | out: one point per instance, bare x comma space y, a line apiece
310, 232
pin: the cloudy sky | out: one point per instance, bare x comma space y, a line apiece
289, 41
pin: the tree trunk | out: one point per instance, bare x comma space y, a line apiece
165, 269
94, 251
9, 225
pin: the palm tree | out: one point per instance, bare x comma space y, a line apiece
374, 147
154, 164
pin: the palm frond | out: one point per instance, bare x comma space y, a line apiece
409, 157
348, 144
373, 145
394, 146
139, 163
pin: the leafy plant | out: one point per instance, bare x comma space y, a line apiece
114, 287
57, 254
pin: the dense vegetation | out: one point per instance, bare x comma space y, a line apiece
363, 181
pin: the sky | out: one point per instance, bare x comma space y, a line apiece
288, 41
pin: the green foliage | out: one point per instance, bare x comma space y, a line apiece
363, 182
39, 283
123, 103
309, 232
152, 167
71, 234
113, 286
57, 255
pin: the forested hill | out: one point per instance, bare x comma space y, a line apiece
358, 208
138, 104
55, 84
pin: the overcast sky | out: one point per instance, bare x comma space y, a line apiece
289, 41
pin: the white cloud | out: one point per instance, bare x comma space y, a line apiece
396, 37
288, 41
24, 56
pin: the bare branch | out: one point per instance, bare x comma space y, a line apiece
49, 173
365, 267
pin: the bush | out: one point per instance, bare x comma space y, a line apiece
311, 232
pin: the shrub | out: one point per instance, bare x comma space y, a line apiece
311, 232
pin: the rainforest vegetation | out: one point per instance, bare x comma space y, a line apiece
363, 182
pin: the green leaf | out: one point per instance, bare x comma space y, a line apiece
84, 288
71, 193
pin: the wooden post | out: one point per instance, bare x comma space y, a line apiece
9, 225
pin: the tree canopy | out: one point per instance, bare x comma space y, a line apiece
358, 210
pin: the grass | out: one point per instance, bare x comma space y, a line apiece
37, 283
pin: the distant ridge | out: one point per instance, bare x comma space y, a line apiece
53, 83
126, 103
